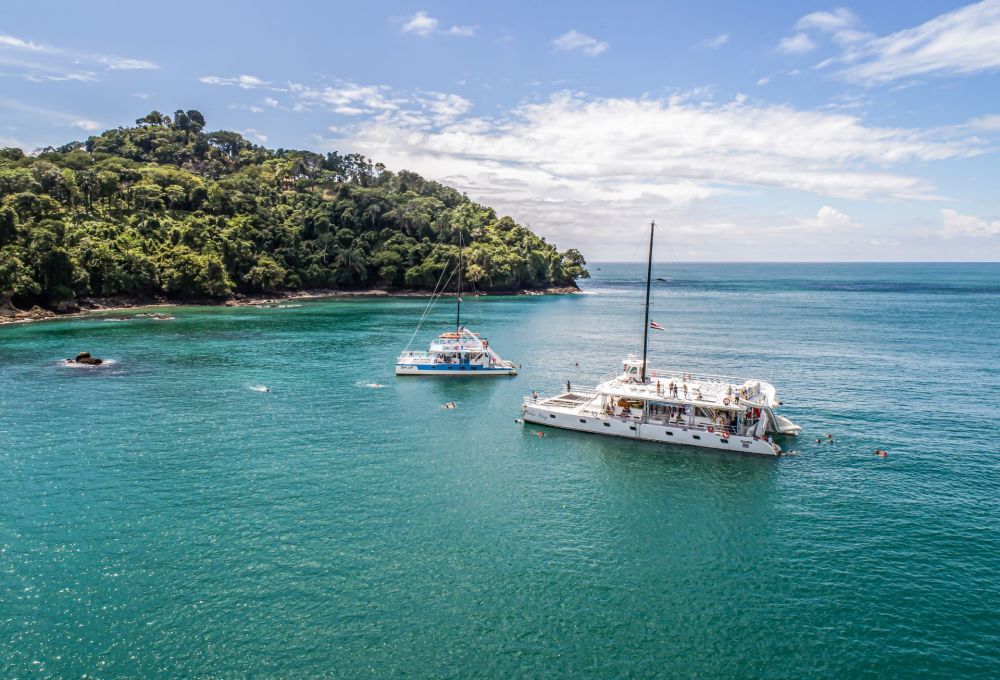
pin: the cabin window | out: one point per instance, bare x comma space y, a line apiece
724, 441
582, 420
695, 436
631, 427
607, 424
552, 415
669, 433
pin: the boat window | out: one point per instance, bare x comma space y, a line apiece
607, 424
695, 436
552, 415
582, 420
669, 433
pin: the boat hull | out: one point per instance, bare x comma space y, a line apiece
675, 435
454, 370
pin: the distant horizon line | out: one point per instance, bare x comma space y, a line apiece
593, 262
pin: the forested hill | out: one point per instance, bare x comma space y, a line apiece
165, 208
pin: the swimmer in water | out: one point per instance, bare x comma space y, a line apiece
539, 434
881, 453
450, 404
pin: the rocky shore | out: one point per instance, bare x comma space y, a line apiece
83, 306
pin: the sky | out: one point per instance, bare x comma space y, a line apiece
781, 131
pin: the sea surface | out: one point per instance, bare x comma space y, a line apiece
231, 498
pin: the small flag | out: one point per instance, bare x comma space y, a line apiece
655, 326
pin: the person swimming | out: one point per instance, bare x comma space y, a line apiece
450, 404
881, 453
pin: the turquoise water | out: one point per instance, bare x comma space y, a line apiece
161, 518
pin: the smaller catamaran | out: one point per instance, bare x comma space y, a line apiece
666, 406
457, 353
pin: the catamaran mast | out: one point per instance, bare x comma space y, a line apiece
458, 300
645, 326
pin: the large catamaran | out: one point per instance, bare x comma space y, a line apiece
668, 406
458, 353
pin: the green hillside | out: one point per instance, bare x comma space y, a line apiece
167, 209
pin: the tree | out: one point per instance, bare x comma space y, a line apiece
166, 208
15, 275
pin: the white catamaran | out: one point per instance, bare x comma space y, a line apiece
458, 353
671, 407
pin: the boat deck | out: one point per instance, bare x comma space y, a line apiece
701, 390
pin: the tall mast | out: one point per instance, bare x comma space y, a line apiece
458, 300
645, 326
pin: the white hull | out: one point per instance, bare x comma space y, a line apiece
478, 373
630, 428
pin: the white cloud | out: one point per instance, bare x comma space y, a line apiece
446, 107
256, 135
88, 125
829, 218
800, 43
246, 82
836, 20
271, 101
47, 62
956, 224
573, 41
961, 42
714, 42
57, 117
989, 123
346, 97
763, 81
584, 166
21, 44
424, 25
421, 24
123, 64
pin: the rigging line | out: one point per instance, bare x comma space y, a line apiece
435, 296
427, 308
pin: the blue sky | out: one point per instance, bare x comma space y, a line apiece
784, 131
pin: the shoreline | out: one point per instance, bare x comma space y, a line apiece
88, 306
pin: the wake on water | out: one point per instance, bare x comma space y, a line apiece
258, 388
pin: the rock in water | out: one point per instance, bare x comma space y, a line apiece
85, 358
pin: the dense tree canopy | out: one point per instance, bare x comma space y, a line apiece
164, 208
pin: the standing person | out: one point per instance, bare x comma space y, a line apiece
569, 388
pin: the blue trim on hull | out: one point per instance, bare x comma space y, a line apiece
453, 368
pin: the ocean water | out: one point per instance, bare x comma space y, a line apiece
165, 516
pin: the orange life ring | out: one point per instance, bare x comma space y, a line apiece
726, 401
710, 428
725, 435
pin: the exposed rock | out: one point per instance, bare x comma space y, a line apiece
85, 358
66, 306
37, 312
